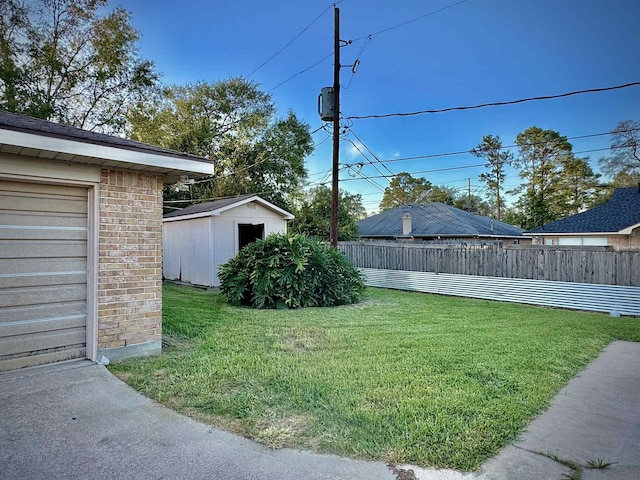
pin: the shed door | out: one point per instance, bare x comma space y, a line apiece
248, 233
43, 273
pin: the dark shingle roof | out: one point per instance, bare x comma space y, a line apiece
21, 123
620, 212
219, 205
208, 207
433, 220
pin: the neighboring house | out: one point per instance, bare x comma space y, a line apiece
80, 242
436, 221
199, 238
616, 222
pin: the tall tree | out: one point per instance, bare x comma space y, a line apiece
497, 158
442, 194
314, 213
234, 123
540, 157
61, 60
579, 187
473, 204
404, 189
623, 166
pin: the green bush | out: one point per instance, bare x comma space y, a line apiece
290, 271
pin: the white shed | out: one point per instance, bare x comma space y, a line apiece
197, 239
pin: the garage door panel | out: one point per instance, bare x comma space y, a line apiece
43, 273
17, 203
42, 358
33, 342
42, 232
36, 219
9, 187
27, 266
10, 329
42, 249
42, 279
43, 312
42, 295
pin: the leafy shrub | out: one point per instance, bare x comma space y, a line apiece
290, 271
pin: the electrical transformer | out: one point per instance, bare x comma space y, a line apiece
325, 104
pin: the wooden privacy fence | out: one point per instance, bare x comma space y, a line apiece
594, 279
595, 265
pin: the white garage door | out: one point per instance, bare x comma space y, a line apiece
43, 273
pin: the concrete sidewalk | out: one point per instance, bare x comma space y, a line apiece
76, 420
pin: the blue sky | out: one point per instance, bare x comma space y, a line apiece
476, 51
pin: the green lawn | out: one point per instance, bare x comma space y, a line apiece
401, 377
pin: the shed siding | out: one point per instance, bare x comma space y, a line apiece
225, 231
195, 248
187, 244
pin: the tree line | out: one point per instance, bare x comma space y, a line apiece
554, 182
65, 61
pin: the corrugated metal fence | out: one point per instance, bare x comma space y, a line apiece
598, 279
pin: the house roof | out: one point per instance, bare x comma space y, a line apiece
434, 220
34, 137
218, 206
620, 213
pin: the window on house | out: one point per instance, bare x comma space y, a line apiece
592, 241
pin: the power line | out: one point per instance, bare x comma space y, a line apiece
321, 142
321, 127
351, 41
366, 158
368, 179
199, 200
294, 38
369, 150
423, 171
356, 62
495, 104
411, 21
447, 169
301, 72
505, 147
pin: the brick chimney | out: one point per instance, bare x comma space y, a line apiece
406, 223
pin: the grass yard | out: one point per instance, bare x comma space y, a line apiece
401, 377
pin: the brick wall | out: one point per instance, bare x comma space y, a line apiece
130, 259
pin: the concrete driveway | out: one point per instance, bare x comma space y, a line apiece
75, 421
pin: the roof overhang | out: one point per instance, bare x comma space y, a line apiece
71, 150
629, 230
214, 213
430, 235
577, 234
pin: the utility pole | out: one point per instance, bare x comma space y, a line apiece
336, 128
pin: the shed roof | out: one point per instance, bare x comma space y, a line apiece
435, 220
218, 206
34, 137
621, 212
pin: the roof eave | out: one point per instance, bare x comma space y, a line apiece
190, 216
573, 234
214, 213
286, 215
97, 154
629, 230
